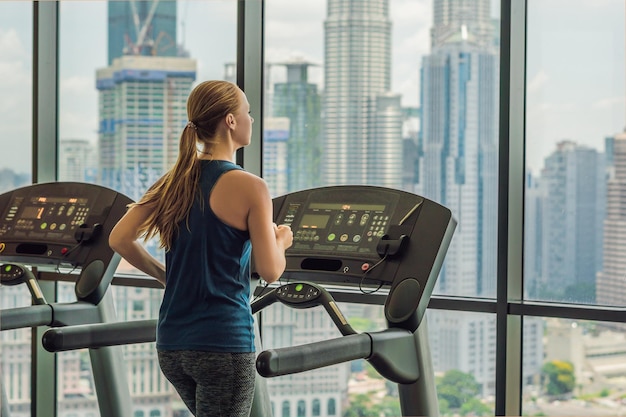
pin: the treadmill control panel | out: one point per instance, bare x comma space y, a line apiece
42, 217
350, 224
58, 223
344, 227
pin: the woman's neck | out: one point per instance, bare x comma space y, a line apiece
216, 155
222, 149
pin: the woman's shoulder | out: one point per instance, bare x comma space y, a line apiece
240, 174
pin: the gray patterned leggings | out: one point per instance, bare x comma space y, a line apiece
211, 384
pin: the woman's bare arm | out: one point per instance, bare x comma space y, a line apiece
124, 240
269, 241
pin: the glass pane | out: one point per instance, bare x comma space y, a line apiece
575, 152
16, 52
122, 110
16, 60
400, 94
582, 372
15, 358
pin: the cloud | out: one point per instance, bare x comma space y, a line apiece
608, 103
299, 12
78, 108
411, 12
78, 125
11, 45
16, 103
537, 82
77, 85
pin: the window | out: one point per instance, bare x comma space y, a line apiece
122, 107
400, 94
574, 215
301, 408
16, 40
316, 408
332, 407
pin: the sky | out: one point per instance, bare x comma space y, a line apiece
575, 63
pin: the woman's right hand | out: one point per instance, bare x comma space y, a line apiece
284, 235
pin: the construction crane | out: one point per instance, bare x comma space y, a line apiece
159, 46
142, 40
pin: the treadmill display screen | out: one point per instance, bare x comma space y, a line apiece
41, 218
349, 228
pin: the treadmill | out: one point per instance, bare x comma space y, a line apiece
389, 241
64, 226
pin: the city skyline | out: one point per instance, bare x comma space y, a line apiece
555, 111
457, 147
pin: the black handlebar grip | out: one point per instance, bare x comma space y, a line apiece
289, 360
93, 336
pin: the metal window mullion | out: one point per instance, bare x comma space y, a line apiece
511, 203
45, 91
250, 76
44, 169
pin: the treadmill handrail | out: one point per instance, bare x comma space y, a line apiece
99, 335
55, 314
21, 317
389, 351
294, 359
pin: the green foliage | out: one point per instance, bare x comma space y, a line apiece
456, 388
580, 293
475, 407
361, 324
362, 406
371, 372
444, 406
559, 377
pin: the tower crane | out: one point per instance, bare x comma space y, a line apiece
142, 39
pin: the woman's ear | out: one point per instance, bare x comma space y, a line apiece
230, 120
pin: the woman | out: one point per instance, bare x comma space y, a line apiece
208, 214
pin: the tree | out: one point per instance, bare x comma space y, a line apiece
558, 377
457, 387
360, 406
475, 407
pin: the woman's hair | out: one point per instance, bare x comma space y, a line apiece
173, 194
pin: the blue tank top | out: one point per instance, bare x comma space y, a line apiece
206, 304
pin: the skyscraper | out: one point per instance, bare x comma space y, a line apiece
142, 27
451, 15
358, 71
611, 283
275, 155
78, 161
458, 167
574, 208
299, 101
458, 140
142, 114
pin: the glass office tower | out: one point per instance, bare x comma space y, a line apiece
458, 167
298, 100
574, 209
357, 68
611, 285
